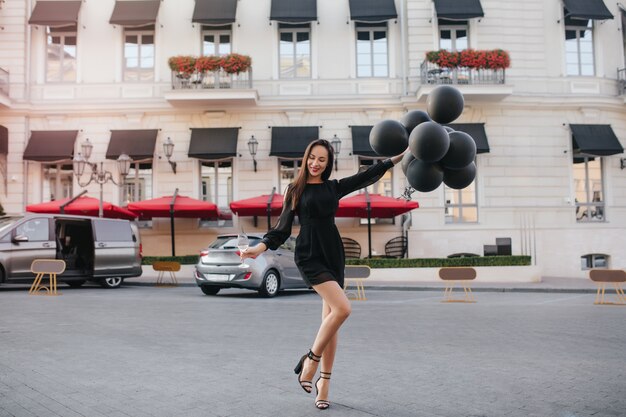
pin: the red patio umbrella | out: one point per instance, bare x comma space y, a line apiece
367, 205
85, 206
174, 206
264, 205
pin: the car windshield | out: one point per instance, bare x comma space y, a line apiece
230, 242
6, 222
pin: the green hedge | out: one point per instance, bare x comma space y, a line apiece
389, 262
441, 262
184, 260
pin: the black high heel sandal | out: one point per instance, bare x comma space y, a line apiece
321, 404
306, 385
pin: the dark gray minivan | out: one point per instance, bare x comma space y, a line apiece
94, 249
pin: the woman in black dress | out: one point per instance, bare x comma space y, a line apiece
319, 251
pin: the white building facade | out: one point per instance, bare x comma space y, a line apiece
551, 127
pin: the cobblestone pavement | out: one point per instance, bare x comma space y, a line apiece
149, 351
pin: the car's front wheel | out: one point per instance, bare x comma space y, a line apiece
207, 290
112, 282
270, 285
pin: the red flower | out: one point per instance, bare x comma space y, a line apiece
469, 58
208, 63
182, 64
236, 63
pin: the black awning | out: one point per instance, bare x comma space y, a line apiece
361, 141
138, 144
598, 140
458, 9
4, 140
50, 145
214, 12
55, 13
586, 9
290, 11
372, 10
291, 142
135, 13
477, 132
213, 143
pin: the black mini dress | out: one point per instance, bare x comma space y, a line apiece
319, 252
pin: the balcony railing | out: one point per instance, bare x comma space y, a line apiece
4, 81
211, 80
434, 74
621, 79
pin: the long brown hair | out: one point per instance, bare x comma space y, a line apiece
296, 188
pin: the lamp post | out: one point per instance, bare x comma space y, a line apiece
168, 148
98, 174
253, 145
336, 144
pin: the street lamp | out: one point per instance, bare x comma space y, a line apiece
253, 145
98, 174
336, 144
168, 148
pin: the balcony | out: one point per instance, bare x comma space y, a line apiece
212, 88
488, 84
621, 82
4, 88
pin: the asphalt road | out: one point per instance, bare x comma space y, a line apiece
150, 351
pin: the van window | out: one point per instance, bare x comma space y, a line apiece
113, 230
36, 230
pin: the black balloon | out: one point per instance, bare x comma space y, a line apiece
445, 104
406, 160
414, 118
424, 176
389, 138
461, 152
459, 178
429, 142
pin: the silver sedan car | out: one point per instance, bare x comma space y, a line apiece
269, 273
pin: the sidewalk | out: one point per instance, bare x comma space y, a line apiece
548, 284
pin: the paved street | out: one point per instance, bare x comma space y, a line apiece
150, 351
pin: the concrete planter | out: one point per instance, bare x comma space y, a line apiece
500, 274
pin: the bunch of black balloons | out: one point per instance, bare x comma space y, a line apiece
437, 153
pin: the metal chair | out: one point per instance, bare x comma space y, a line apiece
351, 248
396, 247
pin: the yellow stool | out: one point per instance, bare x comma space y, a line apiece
356, 274
166, 266
609, 276
452, 275
42, 267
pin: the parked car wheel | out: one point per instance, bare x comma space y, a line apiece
112, 282
271, 284
208, 290
75, 284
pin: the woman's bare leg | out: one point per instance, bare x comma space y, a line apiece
339, 310
328, 359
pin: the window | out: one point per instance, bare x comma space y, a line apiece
623, 14
288, 171
216, 40
453, 35
138, 182
217, 187
112, 231
57, 181
295, 51
139, 54
384, 186
579, 47
36, 230
61, 54
588, 186
460, 205
594, 261
371, 50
